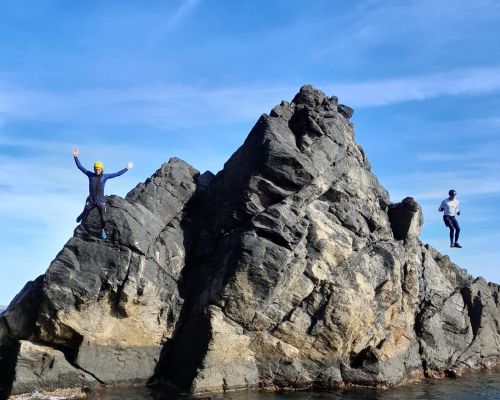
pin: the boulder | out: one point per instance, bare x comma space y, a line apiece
406, 219
42, 368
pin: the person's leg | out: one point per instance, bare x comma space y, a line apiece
457, 229
448, 223
89, 205
452, 233
102, 213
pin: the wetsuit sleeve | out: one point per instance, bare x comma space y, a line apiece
80, 166
114, 175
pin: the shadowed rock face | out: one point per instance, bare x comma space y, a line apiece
406, 219
290, 268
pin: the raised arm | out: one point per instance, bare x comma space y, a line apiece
121, 172
78, 163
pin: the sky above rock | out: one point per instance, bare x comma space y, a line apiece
145, 81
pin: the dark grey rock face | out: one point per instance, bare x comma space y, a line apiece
290, 268
107, 307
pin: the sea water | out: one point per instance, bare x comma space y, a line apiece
473, 386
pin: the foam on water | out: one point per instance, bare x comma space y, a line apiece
39, 396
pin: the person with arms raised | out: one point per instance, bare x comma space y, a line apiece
97, 180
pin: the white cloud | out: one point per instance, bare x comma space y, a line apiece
157, 105
471, 81
175, 106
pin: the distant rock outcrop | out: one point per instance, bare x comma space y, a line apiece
288, 269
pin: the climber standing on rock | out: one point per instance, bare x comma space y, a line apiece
96, 198
450, 208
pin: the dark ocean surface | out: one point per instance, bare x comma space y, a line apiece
485, 385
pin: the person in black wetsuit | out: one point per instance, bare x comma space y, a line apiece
97, 180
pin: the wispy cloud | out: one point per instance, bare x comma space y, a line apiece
182, 12
482, 154
186, 105
427, 23
477, 256
434, 185
417, 15
40, 180
156, 105
472, 169
472, 81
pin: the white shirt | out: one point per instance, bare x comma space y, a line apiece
450, 207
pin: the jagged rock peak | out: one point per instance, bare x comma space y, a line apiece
287, 269
311, 97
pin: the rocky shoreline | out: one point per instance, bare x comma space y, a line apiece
289, 269
86, 393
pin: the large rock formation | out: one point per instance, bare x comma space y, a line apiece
290, 268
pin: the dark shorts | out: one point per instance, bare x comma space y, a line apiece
95, 201
90, 204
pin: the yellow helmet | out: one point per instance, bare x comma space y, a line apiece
98, 164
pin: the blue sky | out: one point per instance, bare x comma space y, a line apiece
145, 81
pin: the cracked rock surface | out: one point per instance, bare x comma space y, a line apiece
289, 269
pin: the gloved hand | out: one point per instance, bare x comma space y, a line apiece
458, 213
